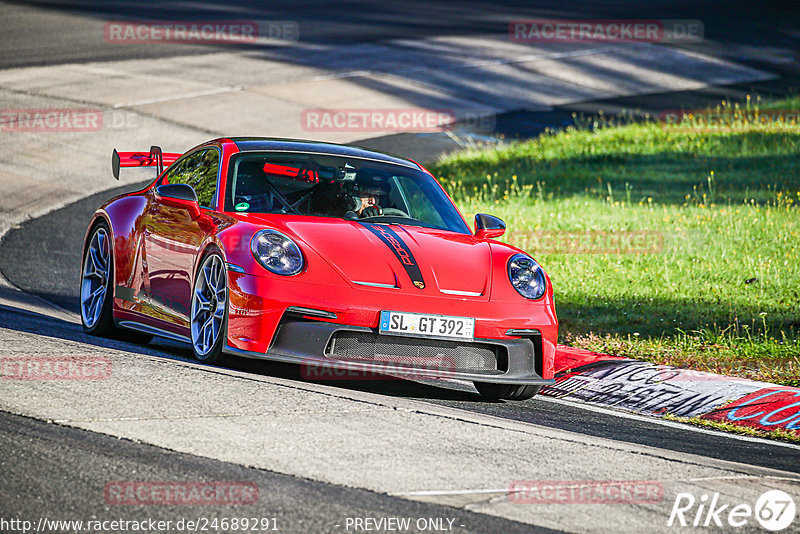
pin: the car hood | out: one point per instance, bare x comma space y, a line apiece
376, 255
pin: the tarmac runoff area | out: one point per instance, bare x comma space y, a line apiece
386, 444
383, 443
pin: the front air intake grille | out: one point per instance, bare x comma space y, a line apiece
369, 347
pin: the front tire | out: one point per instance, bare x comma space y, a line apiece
506, 392
209, 312
97, 297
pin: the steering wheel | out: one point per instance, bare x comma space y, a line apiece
394, 212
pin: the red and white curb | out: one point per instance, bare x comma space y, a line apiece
652, 389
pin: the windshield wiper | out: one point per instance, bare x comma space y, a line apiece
397, 220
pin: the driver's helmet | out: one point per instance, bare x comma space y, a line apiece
371, 187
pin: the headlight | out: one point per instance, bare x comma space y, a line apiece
276, 252
526, 276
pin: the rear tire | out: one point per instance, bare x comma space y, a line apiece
96, 292
97, 278
505, 391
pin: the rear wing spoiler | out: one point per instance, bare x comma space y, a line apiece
142, 159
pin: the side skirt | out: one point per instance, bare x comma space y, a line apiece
147, 329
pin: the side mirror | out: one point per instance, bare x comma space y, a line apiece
179, 196
488, 226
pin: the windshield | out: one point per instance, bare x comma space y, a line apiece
338, 186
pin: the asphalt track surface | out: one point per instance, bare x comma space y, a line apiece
43, 460
761, 35
732, 27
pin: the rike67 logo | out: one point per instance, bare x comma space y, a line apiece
774, 510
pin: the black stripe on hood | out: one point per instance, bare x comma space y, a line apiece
400, 249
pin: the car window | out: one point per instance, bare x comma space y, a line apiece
199, 170
338, 186
416, 200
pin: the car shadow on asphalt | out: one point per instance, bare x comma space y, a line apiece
30, 322
379, 384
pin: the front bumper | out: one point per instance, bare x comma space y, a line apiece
364, 352
259, 309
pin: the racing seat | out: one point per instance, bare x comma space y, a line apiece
251, 188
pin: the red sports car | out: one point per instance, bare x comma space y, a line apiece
318, 254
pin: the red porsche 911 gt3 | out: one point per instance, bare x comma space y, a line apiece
317, 254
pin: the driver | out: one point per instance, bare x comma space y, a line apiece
350, 200
366, 202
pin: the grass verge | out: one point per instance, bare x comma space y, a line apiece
676, 242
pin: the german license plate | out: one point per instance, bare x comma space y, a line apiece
426, 325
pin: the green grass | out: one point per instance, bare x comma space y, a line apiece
713, 280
